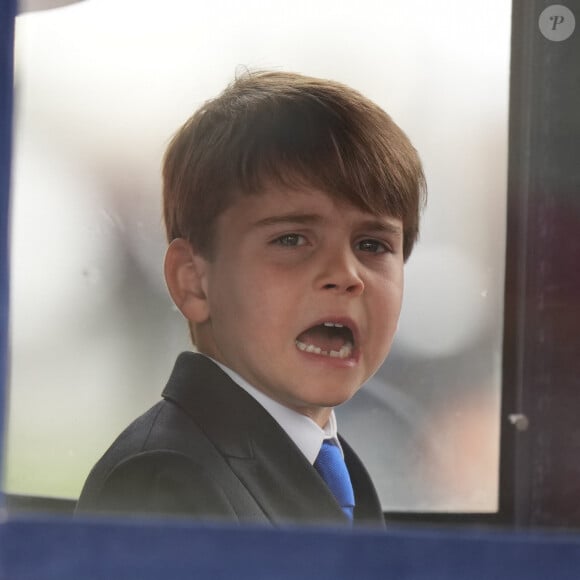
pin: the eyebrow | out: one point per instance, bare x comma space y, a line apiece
382, 227
294, 218
373, 225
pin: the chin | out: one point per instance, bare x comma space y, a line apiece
335, 400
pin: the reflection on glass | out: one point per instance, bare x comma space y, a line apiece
101, 86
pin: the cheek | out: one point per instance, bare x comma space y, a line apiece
247, 304
386, 311
226, 300
397, 301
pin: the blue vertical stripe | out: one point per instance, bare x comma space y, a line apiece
7, 14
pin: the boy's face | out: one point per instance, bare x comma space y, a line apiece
304, 295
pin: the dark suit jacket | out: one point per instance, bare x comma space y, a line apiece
210, 451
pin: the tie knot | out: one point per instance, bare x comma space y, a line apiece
332, 468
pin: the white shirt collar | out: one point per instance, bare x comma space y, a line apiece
304, 432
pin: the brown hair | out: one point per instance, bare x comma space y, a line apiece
288, 129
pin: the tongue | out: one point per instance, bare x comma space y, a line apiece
323, 337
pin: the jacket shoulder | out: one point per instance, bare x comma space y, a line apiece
159, 481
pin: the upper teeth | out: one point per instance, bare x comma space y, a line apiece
333, 324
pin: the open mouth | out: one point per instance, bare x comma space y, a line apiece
329, 338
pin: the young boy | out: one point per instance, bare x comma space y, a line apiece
291, 204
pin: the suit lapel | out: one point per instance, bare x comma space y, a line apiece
267, 462
285, 484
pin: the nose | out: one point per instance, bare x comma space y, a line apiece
339, 272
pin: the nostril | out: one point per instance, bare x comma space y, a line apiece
356, 288
330, 286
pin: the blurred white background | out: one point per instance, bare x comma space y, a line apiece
100, 88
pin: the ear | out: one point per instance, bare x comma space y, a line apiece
186, 279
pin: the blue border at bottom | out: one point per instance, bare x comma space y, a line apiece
47, 549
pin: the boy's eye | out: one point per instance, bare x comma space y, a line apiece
372, 246
290, 240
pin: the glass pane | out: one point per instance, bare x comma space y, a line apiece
100, 88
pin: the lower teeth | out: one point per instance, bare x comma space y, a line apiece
344, 352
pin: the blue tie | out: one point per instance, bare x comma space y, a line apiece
332, 468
